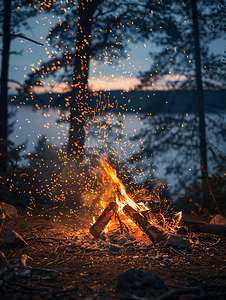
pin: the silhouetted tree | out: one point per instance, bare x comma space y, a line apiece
13, 16
95, 29
186, 62
4, 77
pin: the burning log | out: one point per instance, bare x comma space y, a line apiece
103, 219
153, 233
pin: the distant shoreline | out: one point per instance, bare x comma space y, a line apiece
155, 102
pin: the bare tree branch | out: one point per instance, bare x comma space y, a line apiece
23, 37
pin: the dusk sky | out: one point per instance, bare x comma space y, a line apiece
101, 76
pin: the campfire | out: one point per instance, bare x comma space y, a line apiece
128, 215
43, 256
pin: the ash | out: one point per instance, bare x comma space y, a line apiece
112, 241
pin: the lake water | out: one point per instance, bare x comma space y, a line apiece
106, 132
31, 125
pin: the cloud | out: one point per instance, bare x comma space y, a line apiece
112, 83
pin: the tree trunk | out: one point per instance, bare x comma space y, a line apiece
202, 127
79, 100
4, 87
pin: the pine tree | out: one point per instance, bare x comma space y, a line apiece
13, 17
99, 30
185, 62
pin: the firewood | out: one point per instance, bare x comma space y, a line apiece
103, 219
152, 232
12, 238
204, 227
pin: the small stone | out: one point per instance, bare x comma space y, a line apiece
218, 220
122, 240
103, 237
114, 248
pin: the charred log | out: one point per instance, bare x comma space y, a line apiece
152, 232
103, 219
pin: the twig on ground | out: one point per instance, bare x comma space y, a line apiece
203, 290
14, 250
184, 255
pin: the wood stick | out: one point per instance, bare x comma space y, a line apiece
205, 227
152, 232
103, 219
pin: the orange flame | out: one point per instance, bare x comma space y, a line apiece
124, 198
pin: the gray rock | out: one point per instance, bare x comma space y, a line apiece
103, 237
114, 248
175, 240
122, 240
141, 283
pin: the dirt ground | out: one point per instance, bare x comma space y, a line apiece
198, 272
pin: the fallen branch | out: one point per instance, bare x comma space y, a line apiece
174, 294
205, 227
202, 290
199, 292
41, 270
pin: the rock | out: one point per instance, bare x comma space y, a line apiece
12, 238
9, 210
141, 283
114, 248
175, 240
218, 220
122, 240
103, 237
